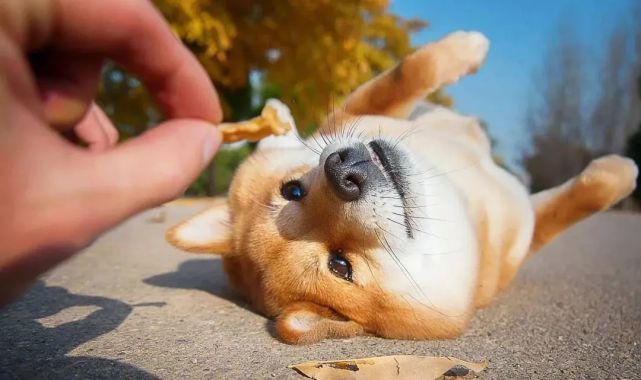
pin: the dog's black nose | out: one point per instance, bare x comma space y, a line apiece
347, 171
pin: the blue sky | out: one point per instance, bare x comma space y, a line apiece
519, 32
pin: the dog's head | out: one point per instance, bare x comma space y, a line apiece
335, 229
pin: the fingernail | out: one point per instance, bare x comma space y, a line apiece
211, 143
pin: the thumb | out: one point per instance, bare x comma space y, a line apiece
151, 169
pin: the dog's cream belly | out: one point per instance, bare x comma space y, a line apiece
482, 213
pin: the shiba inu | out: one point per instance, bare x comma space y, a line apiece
393, 219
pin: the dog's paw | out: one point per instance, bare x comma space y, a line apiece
610, 178
466, 49
306, 323
457, 54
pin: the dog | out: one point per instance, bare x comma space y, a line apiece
388, 221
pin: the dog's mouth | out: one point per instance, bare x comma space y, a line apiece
389, 161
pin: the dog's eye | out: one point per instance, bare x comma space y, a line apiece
339, 266
292, 191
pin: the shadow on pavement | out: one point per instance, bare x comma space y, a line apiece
201, 274
206, 275
30, 350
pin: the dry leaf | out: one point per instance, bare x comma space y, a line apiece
386, 367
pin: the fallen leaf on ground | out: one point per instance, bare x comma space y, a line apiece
388, 367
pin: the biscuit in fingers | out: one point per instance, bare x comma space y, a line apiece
273, 120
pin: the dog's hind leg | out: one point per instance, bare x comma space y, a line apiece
603, 183
396, 91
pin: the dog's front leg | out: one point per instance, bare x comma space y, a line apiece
395, 92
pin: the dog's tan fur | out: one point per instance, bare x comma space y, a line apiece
273, 250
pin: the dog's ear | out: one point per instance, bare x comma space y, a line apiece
206, 232
292, 139
306, 323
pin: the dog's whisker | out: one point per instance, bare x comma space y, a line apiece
402, 136
410, 132
425, 217
302, 141
410, 207
406, 272
414, 228
407, 198
388, 233
268, 206
387, 247
321, 147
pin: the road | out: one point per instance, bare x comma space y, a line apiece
132, 306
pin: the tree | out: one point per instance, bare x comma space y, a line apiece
633, 148
309, 53
580, 114
555, 115
633, 151
608, 124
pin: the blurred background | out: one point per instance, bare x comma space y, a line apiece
561, 85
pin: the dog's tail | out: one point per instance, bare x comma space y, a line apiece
396, 91
605, 182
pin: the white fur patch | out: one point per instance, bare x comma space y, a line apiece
438, 268
292, 139
302, 321
459, 183
206, 228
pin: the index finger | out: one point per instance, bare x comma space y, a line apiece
134, 34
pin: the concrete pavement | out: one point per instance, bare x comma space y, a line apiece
132, 306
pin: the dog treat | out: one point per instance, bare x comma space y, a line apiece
273, 120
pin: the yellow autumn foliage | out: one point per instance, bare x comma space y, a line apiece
308, 53
314, 51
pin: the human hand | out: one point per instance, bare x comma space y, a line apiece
55, 197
